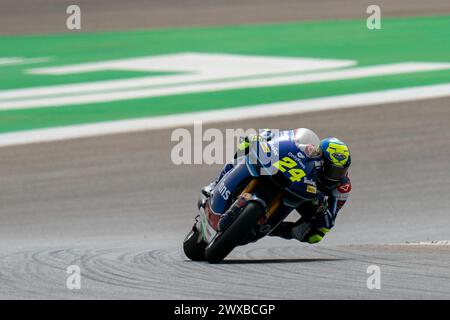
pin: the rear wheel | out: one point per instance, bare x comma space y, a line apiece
194, 245
231, 237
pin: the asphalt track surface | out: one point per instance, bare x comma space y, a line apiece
117, 206
49, 16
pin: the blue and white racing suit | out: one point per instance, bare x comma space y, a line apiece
317, 217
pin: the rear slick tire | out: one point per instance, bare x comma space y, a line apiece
231, 237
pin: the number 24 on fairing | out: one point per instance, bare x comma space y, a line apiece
288, 163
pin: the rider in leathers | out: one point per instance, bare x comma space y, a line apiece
333, 186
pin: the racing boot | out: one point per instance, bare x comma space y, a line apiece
283, 230
206, 190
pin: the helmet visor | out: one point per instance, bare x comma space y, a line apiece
334, 173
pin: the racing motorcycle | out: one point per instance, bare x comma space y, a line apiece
272, 172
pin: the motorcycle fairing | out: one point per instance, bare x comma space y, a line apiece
295, 191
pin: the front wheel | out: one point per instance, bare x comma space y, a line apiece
231, 237
194, 245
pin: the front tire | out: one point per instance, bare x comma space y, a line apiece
194, 245
231, 237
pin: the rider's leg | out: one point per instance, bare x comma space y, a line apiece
206, 190
286, 229
238, 156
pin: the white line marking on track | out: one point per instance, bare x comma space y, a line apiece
225, 115
188, 67
18, 60
145, 88
423, 243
